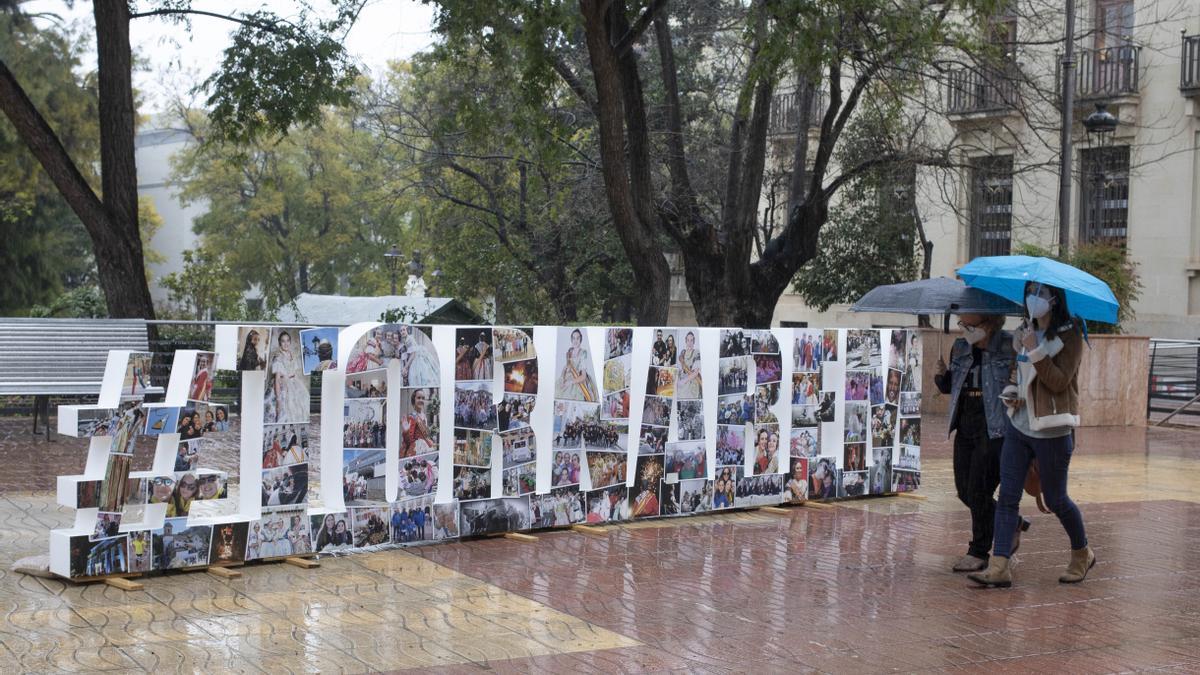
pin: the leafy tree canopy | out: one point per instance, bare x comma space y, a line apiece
295, 215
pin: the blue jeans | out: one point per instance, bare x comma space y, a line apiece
1053, 456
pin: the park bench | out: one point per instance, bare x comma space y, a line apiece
61, 357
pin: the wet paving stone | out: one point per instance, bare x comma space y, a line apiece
861, 588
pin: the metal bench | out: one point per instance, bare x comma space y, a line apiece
61, 357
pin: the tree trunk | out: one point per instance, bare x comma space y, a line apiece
112, 224
650, 269
119, 257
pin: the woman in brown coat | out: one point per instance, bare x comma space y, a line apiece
1044, 411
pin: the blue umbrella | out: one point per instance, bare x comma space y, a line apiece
1005, 275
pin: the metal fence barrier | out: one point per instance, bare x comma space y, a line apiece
1174, 371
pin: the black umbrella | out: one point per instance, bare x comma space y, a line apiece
940, 295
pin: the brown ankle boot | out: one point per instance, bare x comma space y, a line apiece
1082, 560
997, 575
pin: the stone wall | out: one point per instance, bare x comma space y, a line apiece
1112, 379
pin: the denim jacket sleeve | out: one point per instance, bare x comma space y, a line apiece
999, 362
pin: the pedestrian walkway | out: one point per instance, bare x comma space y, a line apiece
861, 587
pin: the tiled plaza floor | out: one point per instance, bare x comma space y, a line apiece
862, 587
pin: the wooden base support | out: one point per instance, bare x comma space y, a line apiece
777, 510
518, 536
590, 529
306, 563
224, 572
912, 495
124, 584
819, 505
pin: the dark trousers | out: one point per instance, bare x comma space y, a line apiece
977, 473
1053, 456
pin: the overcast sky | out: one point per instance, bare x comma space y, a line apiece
386, 30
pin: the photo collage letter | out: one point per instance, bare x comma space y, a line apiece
496, 460
481, 426
131, 521
390, 444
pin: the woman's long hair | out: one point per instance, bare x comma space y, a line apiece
1059, 319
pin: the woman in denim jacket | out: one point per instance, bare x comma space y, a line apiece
981, 363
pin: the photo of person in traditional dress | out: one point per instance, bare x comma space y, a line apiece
419, 363
202, 380
464, 360
416, 435
367, 354
254, 348
688, 383
481, 368
287, 399
575, 381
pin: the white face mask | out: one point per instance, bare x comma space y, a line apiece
1037, 305
974, 334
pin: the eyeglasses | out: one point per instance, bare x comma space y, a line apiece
164, 481
189, 486
968, 325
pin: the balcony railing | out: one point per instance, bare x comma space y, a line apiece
1189, 65
1107, 73
785, 112
970, 90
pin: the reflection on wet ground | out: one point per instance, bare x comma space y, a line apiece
862, 587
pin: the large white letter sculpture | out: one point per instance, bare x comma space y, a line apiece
432, 433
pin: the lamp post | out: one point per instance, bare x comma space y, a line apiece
1101, 125
1068, 109
393, 258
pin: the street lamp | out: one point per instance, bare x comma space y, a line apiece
393, 258
435, 284
1100, 126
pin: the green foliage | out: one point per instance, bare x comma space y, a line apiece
871, 237
508, 200
401, 315
83, 302
1107, 262
301, 214
280, 73
45, 248
205, 289
724, 50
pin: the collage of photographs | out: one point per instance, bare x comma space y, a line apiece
878, 405
904, 474
577, 424
475, 412
865, 405
665, 388
365, 432
290, 356
133, 418
510, 429
748, 430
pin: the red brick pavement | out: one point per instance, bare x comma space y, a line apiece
850, 590
846, 590
839, 590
